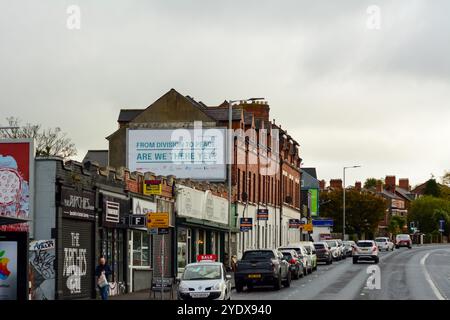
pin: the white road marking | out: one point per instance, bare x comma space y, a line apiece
436, 291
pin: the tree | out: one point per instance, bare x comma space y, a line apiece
427, 211
364, 211
432, 188
48, 142
396, 224
371, 183
446, 178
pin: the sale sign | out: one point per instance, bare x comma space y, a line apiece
207, 257
16, 173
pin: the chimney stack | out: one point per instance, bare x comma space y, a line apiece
322, 185
379, 186
336, 183
390, 183
404, 184
358, 185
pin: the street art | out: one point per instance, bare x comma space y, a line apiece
15, 177
75, 264
42, 269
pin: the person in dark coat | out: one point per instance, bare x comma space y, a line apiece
103, 269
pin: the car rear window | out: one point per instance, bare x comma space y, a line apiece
403, 237
287, 255
258, 255
319, 246
364, 244
381, 240
331, 243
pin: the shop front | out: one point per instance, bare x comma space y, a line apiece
202, 225
113, 238
140, 271
75, 244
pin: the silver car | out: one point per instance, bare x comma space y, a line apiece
205, 280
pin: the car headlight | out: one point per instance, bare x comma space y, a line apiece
183, 287
217, 286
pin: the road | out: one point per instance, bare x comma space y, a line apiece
405, 274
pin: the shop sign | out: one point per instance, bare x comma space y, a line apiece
137, 220
152, 187
262, 214
246, 224
77, 204
115, 212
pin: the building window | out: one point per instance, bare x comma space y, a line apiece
141, 249
254, 187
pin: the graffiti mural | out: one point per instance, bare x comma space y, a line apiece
15, 177
42, 269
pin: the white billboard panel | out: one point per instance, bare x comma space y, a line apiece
185, 153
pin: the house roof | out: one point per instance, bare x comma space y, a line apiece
126, 115
99, 156
405, 193
389, 194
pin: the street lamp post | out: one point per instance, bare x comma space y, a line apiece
343, 205
230, 159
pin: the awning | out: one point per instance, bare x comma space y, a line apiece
202, 223
5, 220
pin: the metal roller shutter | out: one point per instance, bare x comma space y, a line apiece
77, 259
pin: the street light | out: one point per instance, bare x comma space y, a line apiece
230, 158
343, 209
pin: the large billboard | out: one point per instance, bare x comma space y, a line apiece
185, 153
16, 182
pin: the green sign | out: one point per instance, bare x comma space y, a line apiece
314, 195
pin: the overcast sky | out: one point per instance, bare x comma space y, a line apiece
349, 94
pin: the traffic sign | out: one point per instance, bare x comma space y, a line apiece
157, 220
441, 225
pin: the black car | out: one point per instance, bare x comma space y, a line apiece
262, 267
323, 252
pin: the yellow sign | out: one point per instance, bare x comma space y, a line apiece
308, 227
152, 187
157, 220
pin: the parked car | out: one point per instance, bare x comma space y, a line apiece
204, 280
323, 252
384, 243
295, 264
335, 250
303, 256
311, 250
262, 267
403, 240
342, 248
349, 247
365, 250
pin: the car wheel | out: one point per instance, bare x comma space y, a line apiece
249, 287
396, 247
277, 284
409, 247
305, 272
329, 262
287, 282
355, 261
239, 287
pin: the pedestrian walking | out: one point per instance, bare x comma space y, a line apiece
103, 274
